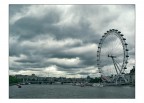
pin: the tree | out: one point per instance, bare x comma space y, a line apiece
14, 80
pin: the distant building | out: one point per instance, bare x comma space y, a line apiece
132, 73
131, 76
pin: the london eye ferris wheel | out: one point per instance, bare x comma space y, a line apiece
112, 53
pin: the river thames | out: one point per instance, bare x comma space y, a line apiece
71, 92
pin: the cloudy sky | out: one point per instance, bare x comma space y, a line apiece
62, 40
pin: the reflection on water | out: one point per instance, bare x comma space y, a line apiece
69, 91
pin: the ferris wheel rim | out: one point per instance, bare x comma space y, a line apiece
124, 45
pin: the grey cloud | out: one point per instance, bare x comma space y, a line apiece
34, 29
14, 8
29, 27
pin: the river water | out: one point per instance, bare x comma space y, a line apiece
68, 91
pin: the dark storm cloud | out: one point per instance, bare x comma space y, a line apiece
28, 28
47, 37
15, 8
102, 15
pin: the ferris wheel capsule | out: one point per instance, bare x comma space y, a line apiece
127, 50
127, 56
124, 38
119, 32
